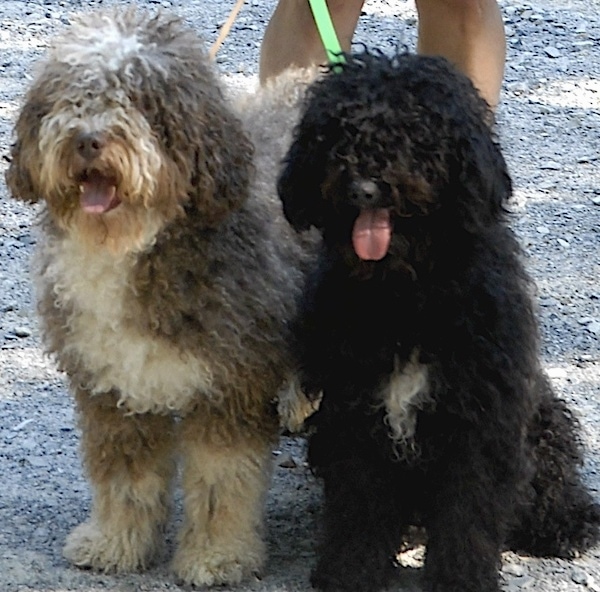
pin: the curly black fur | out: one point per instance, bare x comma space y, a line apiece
487, 456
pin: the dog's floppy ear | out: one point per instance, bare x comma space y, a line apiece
223, 166
482, 178
299, 184
24, 153
189, 114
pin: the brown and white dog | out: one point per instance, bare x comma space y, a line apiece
166, 277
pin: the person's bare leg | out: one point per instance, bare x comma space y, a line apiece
291, 37
470, 33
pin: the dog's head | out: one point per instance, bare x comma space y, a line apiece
390, 155
124, 127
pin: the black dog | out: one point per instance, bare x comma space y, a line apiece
419, 329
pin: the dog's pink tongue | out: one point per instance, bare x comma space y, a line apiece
372, 234
98, 194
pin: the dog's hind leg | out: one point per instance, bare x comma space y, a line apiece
560, 517
225, 481
129, 459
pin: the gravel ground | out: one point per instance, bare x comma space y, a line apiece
549, 125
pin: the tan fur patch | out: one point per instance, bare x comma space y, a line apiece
225, 489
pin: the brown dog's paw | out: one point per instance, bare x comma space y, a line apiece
87, 546
213, 567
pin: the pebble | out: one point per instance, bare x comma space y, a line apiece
39, 462
579, 576
594, 327
514, 569
557, 373
22, 332
520, 583
23, 424
553, 52
550, 165
526, 582
286, 461
585, 320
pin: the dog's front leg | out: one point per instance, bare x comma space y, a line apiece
129, 460
469, 503
362, 523
225, 481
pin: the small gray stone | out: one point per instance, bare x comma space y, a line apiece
526, 582
286, 461
552, 52
557, 373
579, 576
594, 327
514, 569
22, 332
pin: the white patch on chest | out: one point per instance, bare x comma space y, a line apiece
149, 373
403, 396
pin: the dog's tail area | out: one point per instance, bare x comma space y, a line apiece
560, 517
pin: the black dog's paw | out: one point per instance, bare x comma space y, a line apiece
431, 585
327, 582
355, 577
453, 578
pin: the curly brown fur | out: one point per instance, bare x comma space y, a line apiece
419, 329
166, 277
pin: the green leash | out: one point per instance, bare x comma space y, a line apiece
326, 30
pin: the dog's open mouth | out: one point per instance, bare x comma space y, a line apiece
372, 234
98, 192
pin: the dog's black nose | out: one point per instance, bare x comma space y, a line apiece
365, 192
89, 145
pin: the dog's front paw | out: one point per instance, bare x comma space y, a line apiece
329, 582
89, 546
356, 567
355, 578
211, 567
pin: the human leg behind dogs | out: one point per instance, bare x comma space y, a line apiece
130, 462
469, 33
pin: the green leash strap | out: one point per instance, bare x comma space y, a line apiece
326, 30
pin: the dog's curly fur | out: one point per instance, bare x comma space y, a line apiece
435, 409
166, 276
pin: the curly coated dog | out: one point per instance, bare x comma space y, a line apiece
419, 329
166, 277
